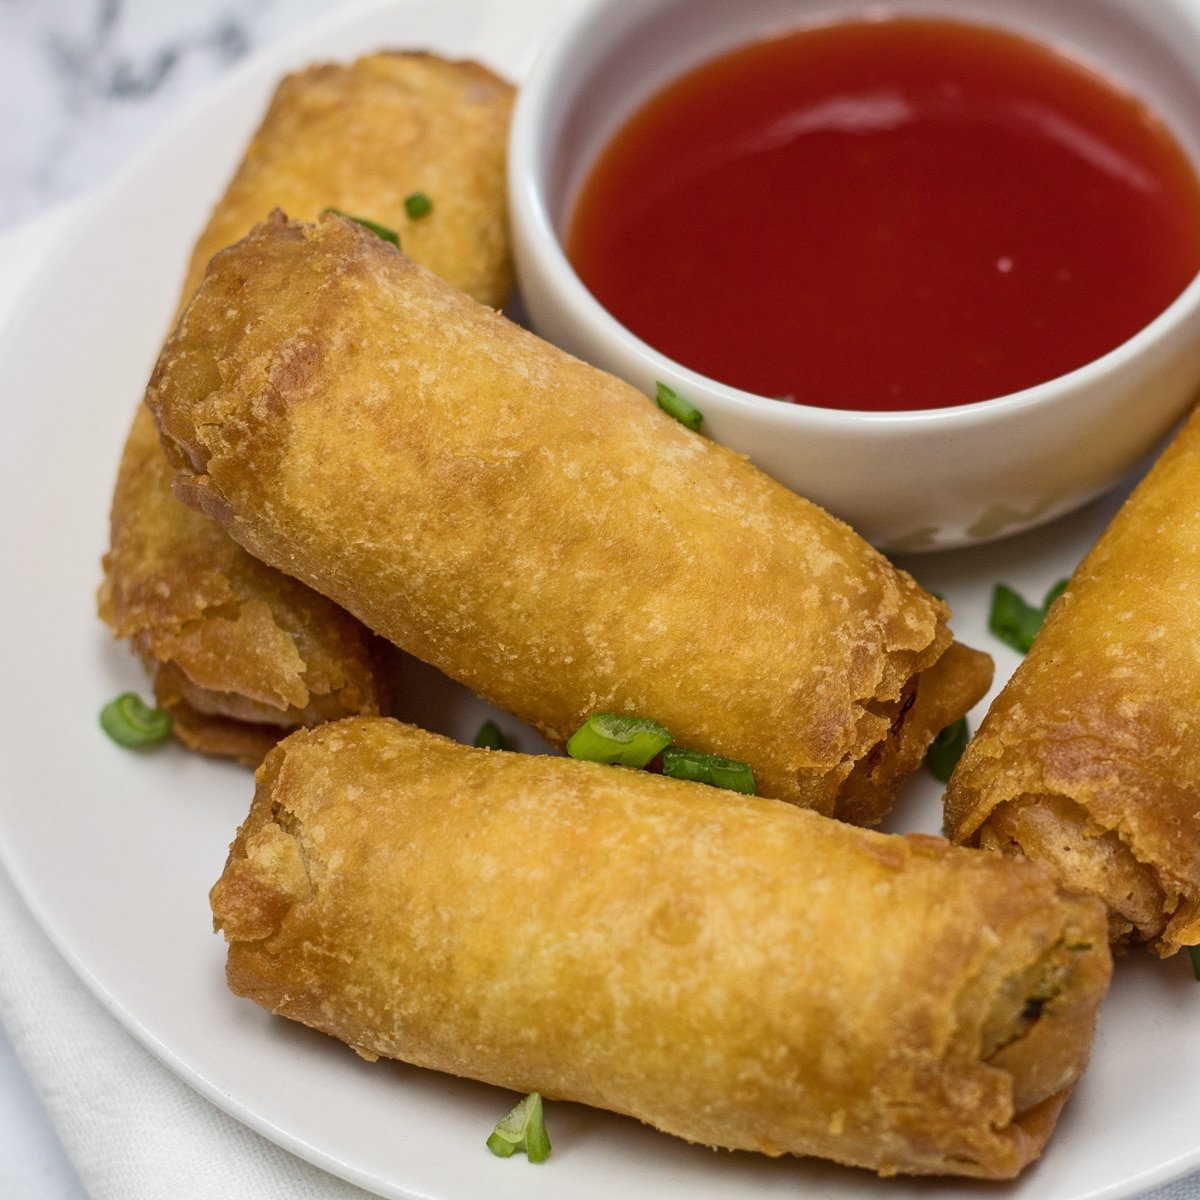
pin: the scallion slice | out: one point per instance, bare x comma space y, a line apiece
417, 205
712, 769
380, 231
1015, 622
946, 749
490, 737
1194, 955
672, 403
131, 722
621, 740
523, 1129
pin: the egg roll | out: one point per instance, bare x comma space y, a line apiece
538, 529
367, 136
1089, 759
238, 652
732, 970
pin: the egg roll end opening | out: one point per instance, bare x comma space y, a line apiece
267, 872
1143, 907
933, 699
1041, 1020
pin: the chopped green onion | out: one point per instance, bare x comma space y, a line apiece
672, 403
523, 1129
1194, 955
1015, 622
131, 722
380, 231
490, 737
708, 768
613, 738
946, 749
418, 205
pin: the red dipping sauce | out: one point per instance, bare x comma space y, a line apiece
888, 215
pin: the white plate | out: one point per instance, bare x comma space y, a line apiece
115, 852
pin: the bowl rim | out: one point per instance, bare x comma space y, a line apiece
541, 95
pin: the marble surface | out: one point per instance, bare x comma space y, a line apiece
85, 83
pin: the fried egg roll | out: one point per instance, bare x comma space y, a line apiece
1089, 759
367, 137
238, 652
539, 530
729, 969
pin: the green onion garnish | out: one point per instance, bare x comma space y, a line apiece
131, 722
708, 768
522, 1129
417, 205
490, 737
672, 403
380, 231
612, 738
946, 749
1015, 622
1194, 955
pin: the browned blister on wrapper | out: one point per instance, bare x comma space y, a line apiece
1089, 760
238, 652
539, 530
733, 970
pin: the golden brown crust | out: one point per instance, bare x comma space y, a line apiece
729, 969
364, 137
223, 636
239, 652
533, 527
1088, 758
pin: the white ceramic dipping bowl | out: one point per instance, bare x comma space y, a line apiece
907, 481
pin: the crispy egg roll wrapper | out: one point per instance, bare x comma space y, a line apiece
363, 138
539, 530
239, 653
733, 970
1089, 759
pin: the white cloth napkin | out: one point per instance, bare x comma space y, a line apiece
132, 1129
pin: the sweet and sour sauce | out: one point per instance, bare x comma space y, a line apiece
889, 214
